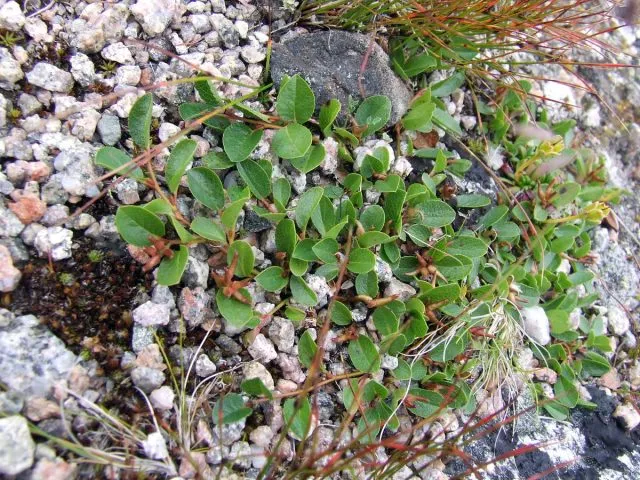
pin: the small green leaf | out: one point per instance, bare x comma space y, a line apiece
296, 101
298, 267
436, 213
595, 364
255, 387
307, 203
448, 349
450, 291
255, 177
363, 354
230, 409
113, 158
136, 224
419, 118
310, 160
292, 141
419, 234
206, 187
304, 250
231, 212
367, 284
370, 239
239, 141
207, 92
307, 349
209, 229
361, 260
302, 293
466, 245
341, 315
374, 113
235, 312
180, 157
566, 392
246, 259
446, 121
281, 192
324, 216
493, 216
159, 206
140, 121
272, 279
286, 237
328, 114
372, 218
385, 321
448, 85
297, 414
417, 64
171, 269
326, 250
473, 200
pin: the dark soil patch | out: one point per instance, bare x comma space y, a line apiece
85, 303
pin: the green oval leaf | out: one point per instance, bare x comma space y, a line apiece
235, 312
374, 113
136, 224
296, 101
363, 354
473, 200
341, 315
286, 237
436, 213
256, 178
361, 260
301, 292
246, 259
230, 409
231, 212
466, 245
314, 157
171, 269
281, 193
419, 117
385, 321
493, 216
297, 414
292, 141
207, 228
239, 141
328, 114
177, 163
326, 250
206, 187
272, 279
307, 203
307, 349
140, 121
113, 158
372, 218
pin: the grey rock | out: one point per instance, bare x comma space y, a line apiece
54, 241
536, 324
240, 455
10, 225
50, 77
147, 379
10, 71
262, 349
194, 305
11, 17
82, 69
331, 60
619, 322
77, 172
230, 433
282, 333
11, 403
141, 337
255, 223
128, 75
9, 275
257, 370
196, 274
216, 454
162, 294
28, 104
162, 398
228, 345
25, 372
403, 291
155, 16
109, 129
127, 191
226, 30
117, 52
204, 366
55, 214
17, 249
320, 287
17, 448
150, 314
383, 270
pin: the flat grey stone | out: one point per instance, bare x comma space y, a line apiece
17, 448
331, 61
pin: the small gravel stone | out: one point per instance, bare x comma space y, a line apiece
28, 207
196, 273
628, 415
619, 322
228, 345
128, 75
11, 17
17, 448
116, 52
149, 314
53, 469
291, 369
162, 398
109, 129
54, 241
320, 287
262, 349
252, 54
9, 275
155, 16
240, 455
262, 436
10, 225
167, 130
55, 214
10, 70
11, 402
255, 223
383, 270
141, 337
231, 433
155, 447
389, 362
147, 379
204, 366
536, 324
50, 77
403, 291
226, 30
82, 69
257, 370
282, 333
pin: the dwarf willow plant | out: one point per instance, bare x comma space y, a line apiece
473, 278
